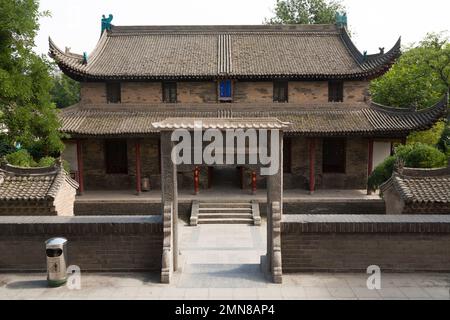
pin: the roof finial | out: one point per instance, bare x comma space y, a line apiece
365, 56
341, 19
85, 58
381, 50
106, 22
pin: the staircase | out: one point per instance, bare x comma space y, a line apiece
208, 212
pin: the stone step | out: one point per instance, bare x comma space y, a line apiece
215, 215
225, 209
211, 212
225, 205
248, 221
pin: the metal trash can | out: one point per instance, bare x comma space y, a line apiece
56, 252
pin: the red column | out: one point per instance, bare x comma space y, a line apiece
254, 182
196, 180
312, 165
138, 166
80, 167
370, 163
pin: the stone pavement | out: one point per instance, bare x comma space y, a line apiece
222, 262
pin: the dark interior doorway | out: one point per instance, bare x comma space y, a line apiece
225, 177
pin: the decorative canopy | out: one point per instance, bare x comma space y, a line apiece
327, 119
214, 52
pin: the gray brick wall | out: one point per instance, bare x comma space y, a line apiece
95, 243
345, 243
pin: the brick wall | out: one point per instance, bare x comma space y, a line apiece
197, 92
93, 92
344, 243
95, 243
141, 92
253, 92
206, 92
356, 91
95, 177
308, 92
355, 176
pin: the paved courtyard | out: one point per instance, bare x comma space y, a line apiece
222, 262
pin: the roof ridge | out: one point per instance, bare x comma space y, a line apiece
224, 28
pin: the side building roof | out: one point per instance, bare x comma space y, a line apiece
214, 52
32, 184
421, 186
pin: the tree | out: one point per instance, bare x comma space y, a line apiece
419, 78
305, 12
26, 109
65, 91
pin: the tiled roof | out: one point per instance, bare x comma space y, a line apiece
325, 119
421, 186
32, 184
208, 52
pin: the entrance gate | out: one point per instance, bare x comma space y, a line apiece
170, 257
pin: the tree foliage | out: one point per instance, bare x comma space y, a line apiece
26, 109
65, 91
417, 155
305, 12
419, 78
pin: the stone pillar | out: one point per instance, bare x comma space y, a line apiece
80, 167
137, 147
169, 188
274, 213
167, 256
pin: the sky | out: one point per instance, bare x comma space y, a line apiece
373, 23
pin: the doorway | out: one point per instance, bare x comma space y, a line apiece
225, 177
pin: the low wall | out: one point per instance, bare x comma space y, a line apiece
144, 207
350, 243
94, 243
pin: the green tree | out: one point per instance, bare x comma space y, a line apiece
419, 78
305, 12
65, 91
26, 109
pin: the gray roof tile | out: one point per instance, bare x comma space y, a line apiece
159, 52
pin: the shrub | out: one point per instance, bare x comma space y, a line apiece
416, 155
46, 162
20, 158
425, 156
381, 173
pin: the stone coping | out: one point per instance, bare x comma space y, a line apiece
365, 223
79, 219
80, 225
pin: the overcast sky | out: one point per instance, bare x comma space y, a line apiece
374, 23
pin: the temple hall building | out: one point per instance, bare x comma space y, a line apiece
310, 76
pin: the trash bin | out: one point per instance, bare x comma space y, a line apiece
56, 252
